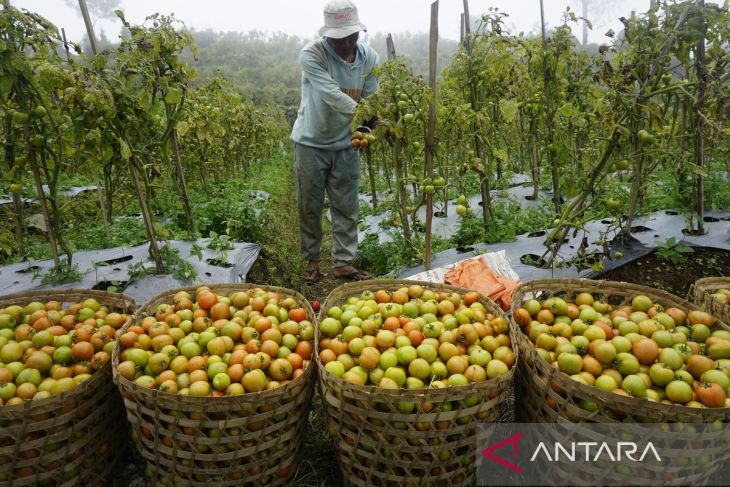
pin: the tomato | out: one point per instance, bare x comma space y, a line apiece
19, 118
127, 369
7, 390
419, 368
200, 389
715, 376
679, 391
646, 351
11, 352
634, 385
699, 364
626, 363
496, 368
605, 352
711, 395
254, 381
280, 369
645, 137
145, 381
661, 374
139, 357
330, 327
221, 381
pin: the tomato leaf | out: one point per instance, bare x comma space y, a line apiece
182, 128
124, 149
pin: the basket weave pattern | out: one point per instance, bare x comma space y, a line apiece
251, 439
75, 438
701, 296
378, 445
546, 395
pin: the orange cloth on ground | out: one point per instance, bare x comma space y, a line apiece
474, 274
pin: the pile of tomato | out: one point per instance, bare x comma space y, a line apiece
414, 338
46, 349
638, 349
214, 345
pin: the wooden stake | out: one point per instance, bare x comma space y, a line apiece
399, 173
390, 47
147, 217
177, 163
547, 80
485, 183
99, 191
699, 125
371, 176
431, 128
50, 224
89, 27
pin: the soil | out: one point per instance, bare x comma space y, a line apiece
653, 271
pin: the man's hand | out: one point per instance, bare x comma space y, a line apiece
372, 123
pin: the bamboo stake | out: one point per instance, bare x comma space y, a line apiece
89, 27
430, 133
485, 183
183, 183
371, 175
100, 193
401, 187
549, 115
390, 47
50, 225
154, 249
699, 125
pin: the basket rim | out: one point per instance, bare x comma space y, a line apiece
374, 390
707, 282
133, 388
97, 377
607, 397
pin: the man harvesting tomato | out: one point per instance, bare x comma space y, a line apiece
337, 72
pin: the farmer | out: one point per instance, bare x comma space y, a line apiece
337, 72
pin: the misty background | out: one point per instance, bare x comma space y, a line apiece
255, 43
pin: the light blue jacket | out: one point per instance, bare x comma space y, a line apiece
331, 88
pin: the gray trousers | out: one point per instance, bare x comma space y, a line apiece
338, 173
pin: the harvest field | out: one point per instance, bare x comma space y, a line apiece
635, 125
158, 137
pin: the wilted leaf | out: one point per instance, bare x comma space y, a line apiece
173, 96
508, 109
124, 149
501, 154
182, 128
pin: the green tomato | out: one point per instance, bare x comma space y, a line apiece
20, 118
645, 137
37, 140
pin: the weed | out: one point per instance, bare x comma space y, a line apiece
59, 274
673, 252
172, 264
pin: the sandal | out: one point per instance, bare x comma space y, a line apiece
312, 274
352, 273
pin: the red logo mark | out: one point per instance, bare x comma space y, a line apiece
487, 452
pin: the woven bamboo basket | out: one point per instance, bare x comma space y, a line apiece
75, 438
546, 395
701, 290
251, 439
378, 445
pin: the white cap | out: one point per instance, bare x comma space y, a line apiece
340, 20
